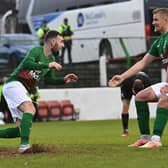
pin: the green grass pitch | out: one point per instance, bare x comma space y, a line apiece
83, 144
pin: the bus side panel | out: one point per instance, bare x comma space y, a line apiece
91, 25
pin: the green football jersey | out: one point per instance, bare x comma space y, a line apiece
33, 68
160, 49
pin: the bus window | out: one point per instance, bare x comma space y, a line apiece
71, 8
86, 6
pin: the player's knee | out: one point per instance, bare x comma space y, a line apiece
139, 97
27, 107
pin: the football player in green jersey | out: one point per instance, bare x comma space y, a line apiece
39, 63
153, 93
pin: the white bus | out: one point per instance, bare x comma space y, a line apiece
100, 25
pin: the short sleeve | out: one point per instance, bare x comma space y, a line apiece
154, 49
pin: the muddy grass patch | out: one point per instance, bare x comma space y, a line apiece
40, 148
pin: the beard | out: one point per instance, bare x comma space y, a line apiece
54, 51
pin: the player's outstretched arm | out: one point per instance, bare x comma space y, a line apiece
55, 65
139, 66
69, 78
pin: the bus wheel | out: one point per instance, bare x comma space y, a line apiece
105, 49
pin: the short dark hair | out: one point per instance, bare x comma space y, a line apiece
51, 34
65, 19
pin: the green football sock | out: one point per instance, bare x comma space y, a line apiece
26, 125
10, 133
160, 121
143, 117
